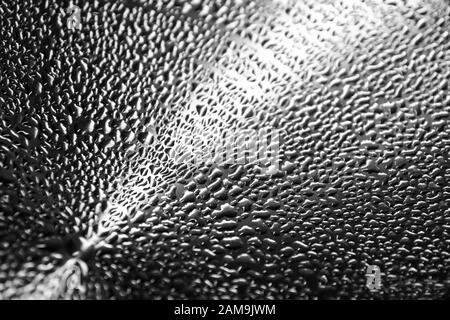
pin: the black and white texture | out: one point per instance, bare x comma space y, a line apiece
94, 114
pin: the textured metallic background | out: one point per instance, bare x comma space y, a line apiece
358, 91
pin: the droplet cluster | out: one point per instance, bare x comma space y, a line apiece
93, 205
